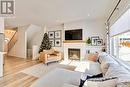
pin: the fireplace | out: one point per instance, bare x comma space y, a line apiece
74, 54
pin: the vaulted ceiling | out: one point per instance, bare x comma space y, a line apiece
43, 12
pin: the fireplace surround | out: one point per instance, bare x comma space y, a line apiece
80, 46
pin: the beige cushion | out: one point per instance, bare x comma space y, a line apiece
93, 57
104, 67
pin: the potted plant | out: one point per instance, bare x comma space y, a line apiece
88, 41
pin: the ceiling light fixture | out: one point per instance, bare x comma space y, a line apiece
88, 14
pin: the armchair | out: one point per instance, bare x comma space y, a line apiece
50, 56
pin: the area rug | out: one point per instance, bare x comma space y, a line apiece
42, 69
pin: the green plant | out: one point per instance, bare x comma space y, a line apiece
45, 44
88, 41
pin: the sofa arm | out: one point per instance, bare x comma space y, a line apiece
43, 57
60, 55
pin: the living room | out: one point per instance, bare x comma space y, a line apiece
59, 39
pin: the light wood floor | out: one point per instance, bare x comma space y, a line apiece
12, 75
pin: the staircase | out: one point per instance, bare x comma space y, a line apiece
11, 40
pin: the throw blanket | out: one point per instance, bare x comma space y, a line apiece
117, 67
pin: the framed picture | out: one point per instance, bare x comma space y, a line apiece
52, 42
58, 34
51, 34
57, 42
94, 40
99, 42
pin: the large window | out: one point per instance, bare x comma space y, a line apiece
120, 41
120, 46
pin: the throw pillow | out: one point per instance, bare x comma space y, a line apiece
93, 57
101, 82
104, 67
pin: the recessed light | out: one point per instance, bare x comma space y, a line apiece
88, 14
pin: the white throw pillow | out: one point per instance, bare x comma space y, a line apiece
93, 68
101, 82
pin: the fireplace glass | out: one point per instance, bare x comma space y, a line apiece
74, 54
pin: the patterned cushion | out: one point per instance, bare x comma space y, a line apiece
101, 79
125, 84
101, 82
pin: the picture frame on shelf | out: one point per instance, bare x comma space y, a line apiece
58, 34
57, 42
94, 40
99, 42
52, 42
51, 34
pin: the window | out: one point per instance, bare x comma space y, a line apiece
120, 41
120, 46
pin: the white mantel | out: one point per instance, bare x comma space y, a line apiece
81, 46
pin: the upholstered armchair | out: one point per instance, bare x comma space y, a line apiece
51, 55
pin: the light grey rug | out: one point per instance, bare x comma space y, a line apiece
41, 69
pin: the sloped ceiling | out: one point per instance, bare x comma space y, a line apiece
43, 12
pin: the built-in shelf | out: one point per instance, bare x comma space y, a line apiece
73, 41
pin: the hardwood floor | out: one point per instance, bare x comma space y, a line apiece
12, 75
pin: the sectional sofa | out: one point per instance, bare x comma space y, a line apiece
66, 78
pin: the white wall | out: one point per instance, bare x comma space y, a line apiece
20, 48
32, 31
37, 38
1, 25
55, 28
90, 28
2, 33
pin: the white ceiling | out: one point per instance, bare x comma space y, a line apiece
43, 12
